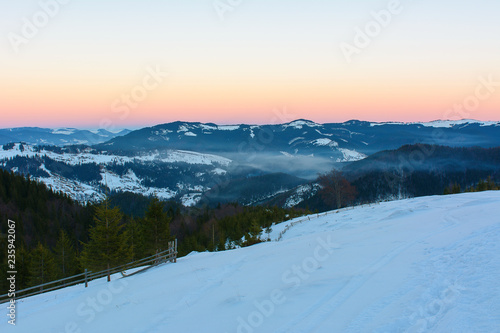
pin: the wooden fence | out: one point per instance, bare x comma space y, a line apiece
169, 255
308, 218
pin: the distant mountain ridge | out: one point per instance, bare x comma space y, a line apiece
196, 162
340, 142
58, 136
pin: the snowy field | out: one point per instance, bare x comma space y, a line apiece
420, 265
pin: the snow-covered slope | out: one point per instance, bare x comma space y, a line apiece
119, 173
419, 265
442, 123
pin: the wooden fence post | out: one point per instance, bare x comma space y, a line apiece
86, 279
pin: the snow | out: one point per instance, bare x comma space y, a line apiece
207, 127
191, 199
75, 189
64, 131
189, 134
286, 154
301, 193
84, 192
182, 128
298, 124
172, 156
325, 142
419, 265
350, 155
451, 123
228, 127
295, 140
196, 158
324, 134
387, 123
219, 171
162, 132
443, 123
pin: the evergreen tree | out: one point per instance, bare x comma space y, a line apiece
41, 265
268, 232
456, 188
135, 230
22, 267
157, 227
65, 256
109, 244
490, 184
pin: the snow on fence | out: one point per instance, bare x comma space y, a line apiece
169, 255
308, 218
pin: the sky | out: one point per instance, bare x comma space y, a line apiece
127, 64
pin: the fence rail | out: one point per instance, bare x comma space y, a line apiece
308, 218
169, 255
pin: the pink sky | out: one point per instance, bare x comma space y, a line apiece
242, 67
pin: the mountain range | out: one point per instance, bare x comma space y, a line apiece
192, 162
58, 136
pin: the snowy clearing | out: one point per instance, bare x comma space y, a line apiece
417, 265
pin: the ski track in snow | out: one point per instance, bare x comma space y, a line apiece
333, 300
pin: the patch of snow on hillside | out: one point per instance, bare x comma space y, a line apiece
325, 134
299, 124
76, 190
286, 154
325, 142
219, 171
442, 123
102, 158
195, 158
129, 182
301, 193
64, 131
162, 132
191, 199
386, 123
207, 127
189, 134
295, 140
350, 155
228, 127
451, 123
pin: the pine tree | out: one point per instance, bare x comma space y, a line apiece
157, 227
65, 256
22, 267
108, 245
490, 184
135, 231
41, 265
456, 188
269, 229
482, 186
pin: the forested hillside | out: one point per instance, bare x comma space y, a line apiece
57, 237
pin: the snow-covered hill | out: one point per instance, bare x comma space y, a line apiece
429, 264
83, 173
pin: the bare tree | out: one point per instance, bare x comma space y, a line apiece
336, 191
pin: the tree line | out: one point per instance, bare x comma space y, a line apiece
57, 237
